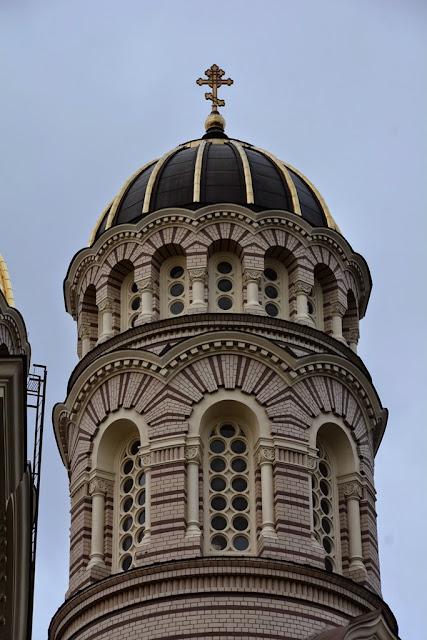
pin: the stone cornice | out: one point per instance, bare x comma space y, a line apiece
237, 574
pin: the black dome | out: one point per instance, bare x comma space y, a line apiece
210, 171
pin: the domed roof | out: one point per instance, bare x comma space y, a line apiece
5, 283
215, 169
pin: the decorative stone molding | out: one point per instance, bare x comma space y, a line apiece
354, 335
311, 463
198, 274
146, 460
97, 485
84, 331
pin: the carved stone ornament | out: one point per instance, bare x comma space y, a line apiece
354, 335
265, 454
197, 274
85, 331
352, 490
312, 462
147, 284
337, 309
303, 287
146, 460
106, 305
192, 454
252, 275
97, 485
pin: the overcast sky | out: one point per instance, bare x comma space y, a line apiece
94, 89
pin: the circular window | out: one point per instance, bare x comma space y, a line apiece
134, 288
310, 308
219, 523
239, 465
240, 523
328, 565
135, 447
224, 267
127, 504
127, 523
327, 545
240, 503
127, 467
270, 274
141, 517
140, 535
326, 525
127, 543
239, 484
323, 469
218, 503
324, 487
136, 303
141, 498
176, 289
324, 505
241, 543
126, 563
218, 543
225, 303
271, 309
176, 272
217, 446
127, 485
227, 431
218, 465
141, 479
177, 308
225, 285
238, 446
271, 292
218, 484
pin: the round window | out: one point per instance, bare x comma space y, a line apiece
176, 289
177, 308
225, 303
224, 267
176, 272
270, 274
225, 285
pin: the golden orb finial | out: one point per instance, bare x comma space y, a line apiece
214, 81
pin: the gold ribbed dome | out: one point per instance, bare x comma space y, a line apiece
215, 170
5, 283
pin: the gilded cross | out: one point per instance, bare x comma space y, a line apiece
214, 81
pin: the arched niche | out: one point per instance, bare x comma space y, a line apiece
113, 433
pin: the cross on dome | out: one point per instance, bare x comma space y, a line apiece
214, 81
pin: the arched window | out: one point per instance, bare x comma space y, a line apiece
275, 292
131, 502
228, 478
173, 287
130, 302
315, 305
325, 508
225, 283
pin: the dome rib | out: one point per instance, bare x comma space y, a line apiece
246, 171
153, 176
5, 283
198, 170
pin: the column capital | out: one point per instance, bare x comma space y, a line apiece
107, 304
192, 454
97, 486
84, 331
354, 335
199, 273
252, 275
303, 287
266, 455
352, 490
146, 284
338, 309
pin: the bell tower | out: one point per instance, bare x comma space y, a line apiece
219, 430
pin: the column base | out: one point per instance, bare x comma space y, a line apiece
197, 307
305, 319
256, 309
105, 336
143, 318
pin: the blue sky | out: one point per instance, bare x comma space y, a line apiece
94, 90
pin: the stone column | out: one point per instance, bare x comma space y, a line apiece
353, 493
198, 279
337, 312
192, 456
302, 291
85, 339
353, 339
146, 313
106, 307
97, 489
265, 460
252, 277
146, 466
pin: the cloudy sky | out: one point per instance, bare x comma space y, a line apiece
94, 89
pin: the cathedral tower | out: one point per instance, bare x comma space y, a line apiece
220, 430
